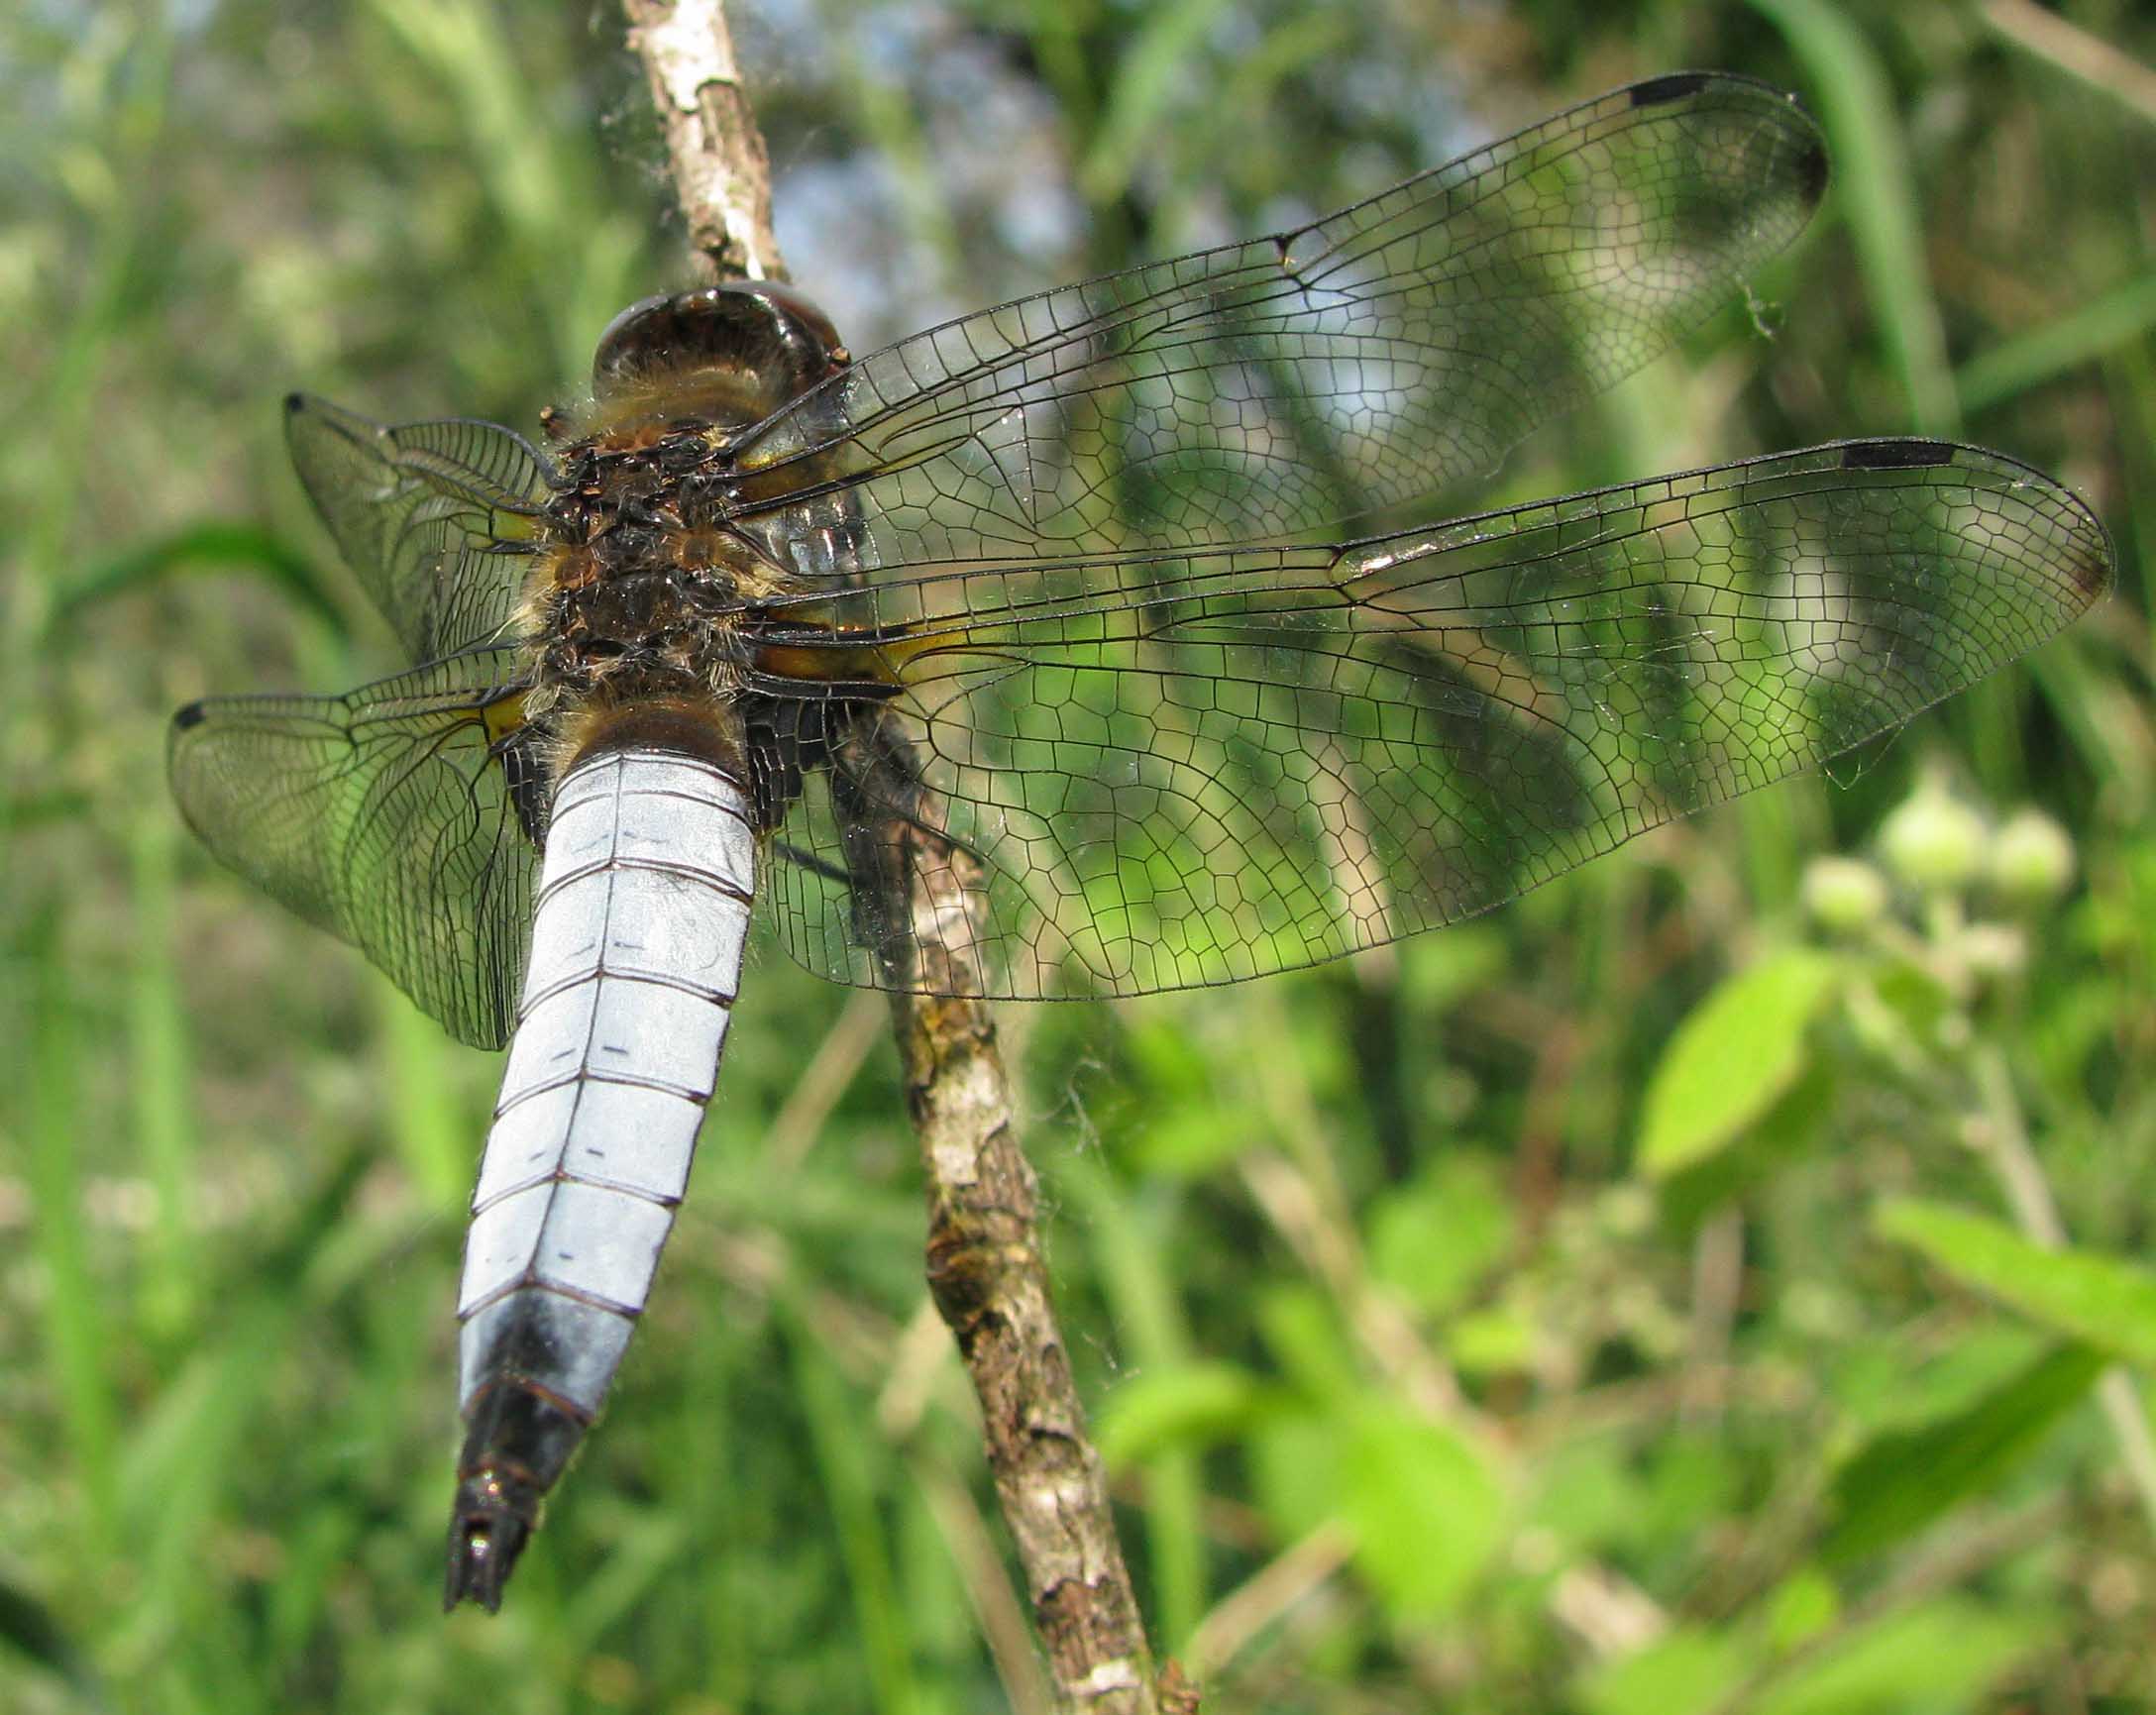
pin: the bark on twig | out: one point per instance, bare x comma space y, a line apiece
714, 150
984, 1267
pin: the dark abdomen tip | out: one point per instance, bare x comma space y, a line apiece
485, 1535
518, 1442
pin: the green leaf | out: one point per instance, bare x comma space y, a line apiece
1928, 1660
1437, 1235
1586, 1494
1600, 1495
1492, 1341
1905, 1379
1295, 1472
1729, 1062
2107, 1303
1800, 1608
1792, 1129
1301, 1329
1427, 1510
1898, 1482
214, 546
1686, 1672
1185, 1405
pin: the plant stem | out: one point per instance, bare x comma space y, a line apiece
2028, 1195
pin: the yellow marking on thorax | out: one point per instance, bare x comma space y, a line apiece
502, 717
516, 526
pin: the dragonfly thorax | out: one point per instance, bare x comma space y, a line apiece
645, 594
640, 592
643, 590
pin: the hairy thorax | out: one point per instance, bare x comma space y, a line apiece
652, 621
641, 597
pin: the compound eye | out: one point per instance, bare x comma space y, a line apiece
630, 335
799, 308
768, 336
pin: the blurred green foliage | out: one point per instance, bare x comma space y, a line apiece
1638, 1299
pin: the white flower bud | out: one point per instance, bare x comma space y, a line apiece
1994, 951
2031, 858
1933, 841
1843, 894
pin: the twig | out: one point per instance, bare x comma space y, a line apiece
985, 1268
1606, 1611
722, 173
917, 892
1283, 1582
830, 1071
1717, 1282
2075, 52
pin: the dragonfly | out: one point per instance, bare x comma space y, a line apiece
1075, 582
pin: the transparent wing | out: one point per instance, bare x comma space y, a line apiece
436, 518
1193, 767
1266, 391
389, 816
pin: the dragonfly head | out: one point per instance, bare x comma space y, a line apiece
757, 343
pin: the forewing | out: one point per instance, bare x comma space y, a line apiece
388, 817
436, 518
1266, 391
1185, 769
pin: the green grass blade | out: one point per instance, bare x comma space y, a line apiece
839, 1437
2120, 317
1873, 183
1130, 1244
218, 547
163, 1098
1151, 76
78, 1323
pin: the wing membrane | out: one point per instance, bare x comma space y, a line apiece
388, 816
435, 518
1264, 390
1195, 768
